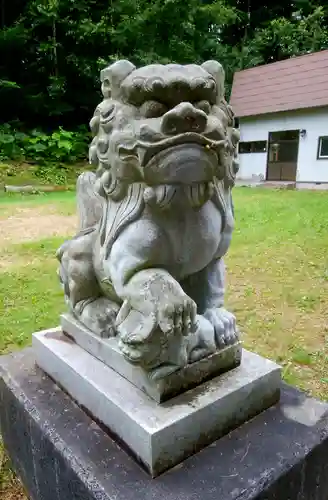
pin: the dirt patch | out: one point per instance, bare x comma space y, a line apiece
13, 493
29, 224
20, 211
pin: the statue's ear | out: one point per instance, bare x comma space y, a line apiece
215, 69
112, 77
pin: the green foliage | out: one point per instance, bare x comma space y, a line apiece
11, 143
51, 153
52, 174
60, 146
282, 38
51, 51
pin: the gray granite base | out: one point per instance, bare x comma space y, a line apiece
60, 453
107, 351
159, 436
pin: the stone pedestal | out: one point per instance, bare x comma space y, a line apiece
159, 436
60, 453
108, 351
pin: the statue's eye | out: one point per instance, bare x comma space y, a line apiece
203, 106
153, 109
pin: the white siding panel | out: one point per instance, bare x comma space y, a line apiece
252, 166
309, 169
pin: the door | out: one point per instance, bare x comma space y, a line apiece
282, 155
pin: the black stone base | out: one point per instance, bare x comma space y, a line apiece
61, 454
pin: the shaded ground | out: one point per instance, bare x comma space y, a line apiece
277, 279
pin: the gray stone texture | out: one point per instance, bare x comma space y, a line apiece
156, 217
61, 454
160, 436
191, 375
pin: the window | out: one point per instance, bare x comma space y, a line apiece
253, 147
284, 135
323, 148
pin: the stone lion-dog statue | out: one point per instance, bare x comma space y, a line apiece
156, 218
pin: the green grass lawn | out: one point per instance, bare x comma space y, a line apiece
277, 271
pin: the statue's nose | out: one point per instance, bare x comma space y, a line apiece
184, 118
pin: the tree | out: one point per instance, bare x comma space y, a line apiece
51, 51
283, 38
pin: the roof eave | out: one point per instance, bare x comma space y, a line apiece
273, 112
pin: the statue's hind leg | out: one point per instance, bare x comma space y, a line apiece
82, 291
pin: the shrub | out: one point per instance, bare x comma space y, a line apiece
59, 146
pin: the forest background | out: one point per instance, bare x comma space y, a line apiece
51, 53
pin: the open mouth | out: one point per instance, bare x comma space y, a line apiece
148, 151
185, 163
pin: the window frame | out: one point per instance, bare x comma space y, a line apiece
319, 157
284, 136
253, 152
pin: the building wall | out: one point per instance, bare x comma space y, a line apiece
309, 168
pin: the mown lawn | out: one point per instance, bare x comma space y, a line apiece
277, 282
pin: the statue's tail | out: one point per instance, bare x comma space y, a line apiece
76, 253
89, 209
89, 203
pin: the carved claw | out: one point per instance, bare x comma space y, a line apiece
224, 323
134, 327
99, 316
177, 316
202, 342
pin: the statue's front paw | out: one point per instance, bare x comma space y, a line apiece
144, 344
224, 323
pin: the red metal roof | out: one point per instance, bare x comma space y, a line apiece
296, 83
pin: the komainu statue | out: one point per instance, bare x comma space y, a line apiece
156, 218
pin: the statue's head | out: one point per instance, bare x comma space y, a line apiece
164, 126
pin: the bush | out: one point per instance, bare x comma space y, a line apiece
60, 146
11, 143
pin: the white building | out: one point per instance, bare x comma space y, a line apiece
282, 109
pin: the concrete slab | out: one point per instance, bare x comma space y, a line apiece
107, 351
60, 453
159, 436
